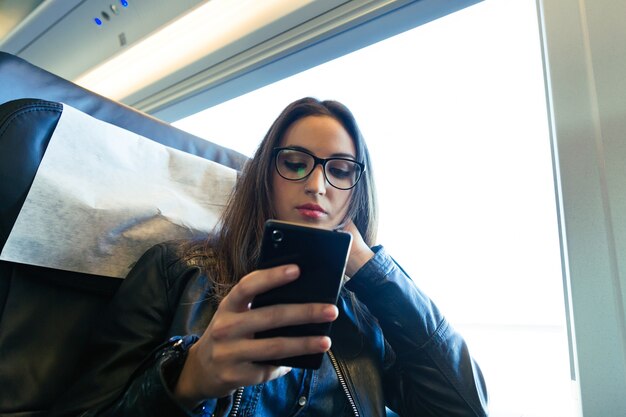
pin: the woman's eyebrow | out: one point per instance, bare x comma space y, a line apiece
344, 155
298, 148
335, 155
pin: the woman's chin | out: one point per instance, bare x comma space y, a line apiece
313, 222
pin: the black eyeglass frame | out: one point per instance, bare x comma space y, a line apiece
317, 161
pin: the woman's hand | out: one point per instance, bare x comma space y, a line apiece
360, 253
224, 357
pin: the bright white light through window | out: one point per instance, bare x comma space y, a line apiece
455, 117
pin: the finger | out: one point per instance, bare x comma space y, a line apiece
281, 315
351, 228
269, 372
253, 374
259, 350
258, 282
245, 324
348, 226
286, 347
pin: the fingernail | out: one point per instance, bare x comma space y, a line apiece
327, 343
291, 271
330, 311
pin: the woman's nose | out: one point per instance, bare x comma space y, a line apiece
316, 182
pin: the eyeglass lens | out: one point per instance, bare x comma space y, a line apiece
295, 165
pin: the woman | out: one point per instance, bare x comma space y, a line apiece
391, 347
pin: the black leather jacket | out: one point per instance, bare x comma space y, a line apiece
408, 359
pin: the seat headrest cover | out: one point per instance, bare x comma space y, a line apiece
103, 195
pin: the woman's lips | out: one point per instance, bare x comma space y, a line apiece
312, 211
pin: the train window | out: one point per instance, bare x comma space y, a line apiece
454, 112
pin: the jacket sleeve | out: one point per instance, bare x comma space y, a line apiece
433, 373
123, 371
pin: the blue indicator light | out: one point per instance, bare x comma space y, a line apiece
98, 21
124, 3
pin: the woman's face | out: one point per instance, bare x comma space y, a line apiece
312, 200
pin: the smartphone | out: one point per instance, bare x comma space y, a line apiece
322, 256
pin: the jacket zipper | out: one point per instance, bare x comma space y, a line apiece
237, 402
343, 383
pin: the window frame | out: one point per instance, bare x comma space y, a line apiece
336, 32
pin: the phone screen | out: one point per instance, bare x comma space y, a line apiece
321, 256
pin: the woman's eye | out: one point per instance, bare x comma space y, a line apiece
341, 172
295, 166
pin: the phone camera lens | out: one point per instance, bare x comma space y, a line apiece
277, 236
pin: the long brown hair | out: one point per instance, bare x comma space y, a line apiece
234, 250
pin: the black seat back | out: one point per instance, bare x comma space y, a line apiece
46, 314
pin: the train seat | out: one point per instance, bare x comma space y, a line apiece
46, 310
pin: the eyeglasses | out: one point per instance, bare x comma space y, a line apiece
295, 164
